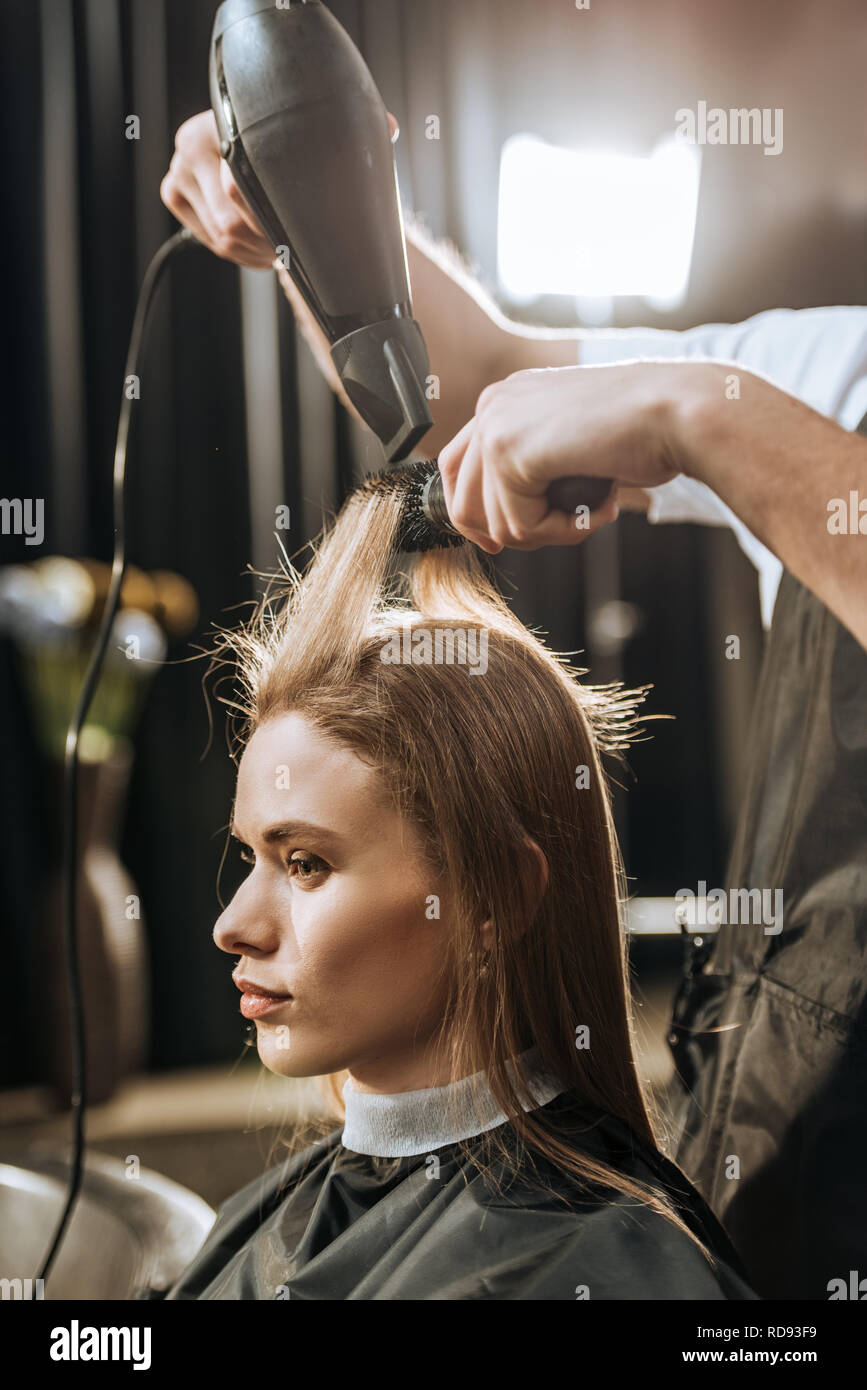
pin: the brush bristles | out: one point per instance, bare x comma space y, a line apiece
416, 532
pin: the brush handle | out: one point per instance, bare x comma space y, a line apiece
564, 495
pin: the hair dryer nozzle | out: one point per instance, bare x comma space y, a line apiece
383, 367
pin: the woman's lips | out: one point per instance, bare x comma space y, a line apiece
257, 1005
256, 1000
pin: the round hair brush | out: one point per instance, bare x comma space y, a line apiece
425, 523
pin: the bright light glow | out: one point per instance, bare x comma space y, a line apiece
597, 224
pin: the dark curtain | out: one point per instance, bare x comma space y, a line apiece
83, 219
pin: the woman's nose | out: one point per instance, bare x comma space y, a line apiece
246, 927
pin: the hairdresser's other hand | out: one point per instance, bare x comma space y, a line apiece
202, 194
536, 426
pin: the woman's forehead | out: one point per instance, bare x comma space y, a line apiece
292, 771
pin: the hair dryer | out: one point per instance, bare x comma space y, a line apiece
305, 133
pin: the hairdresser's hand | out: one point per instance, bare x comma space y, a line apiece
201, 193
618, 421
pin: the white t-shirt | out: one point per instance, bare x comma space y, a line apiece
818, 355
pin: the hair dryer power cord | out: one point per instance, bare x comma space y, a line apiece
154, 272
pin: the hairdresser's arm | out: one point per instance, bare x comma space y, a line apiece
470, 344
780, 465
469, 341
773, 460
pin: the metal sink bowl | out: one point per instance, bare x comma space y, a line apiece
126, 1238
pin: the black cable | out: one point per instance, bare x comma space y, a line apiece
153, 274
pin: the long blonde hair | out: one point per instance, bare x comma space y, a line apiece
480, 764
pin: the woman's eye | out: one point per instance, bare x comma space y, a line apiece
308, 865
306, 862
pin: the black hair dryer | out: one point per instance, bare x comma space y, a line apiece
305, 133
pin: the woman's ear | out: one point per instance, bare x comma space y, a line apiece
534, 881
537, 865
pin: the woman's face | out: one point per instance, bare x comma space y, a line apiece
335, 915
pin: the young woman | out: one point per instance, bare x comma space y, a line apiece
431, 921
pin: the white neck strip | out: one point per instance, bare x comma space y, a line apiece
405, 1123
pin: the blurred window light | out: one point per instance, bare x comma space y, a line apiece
594, 224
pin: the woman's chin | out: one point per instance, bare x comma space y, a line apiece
283, 1055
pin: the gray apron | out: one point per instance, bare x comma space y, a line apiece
769, 1031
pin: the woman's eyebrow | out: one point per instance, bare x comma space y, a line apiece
290, 827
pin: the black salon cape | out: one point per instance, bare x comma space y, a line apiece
348, 1227
769, 1032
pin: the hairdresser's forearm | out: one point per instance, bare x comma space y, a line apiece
465, 347
779, 464
470, 342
